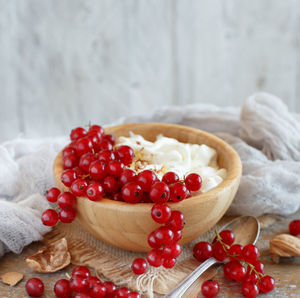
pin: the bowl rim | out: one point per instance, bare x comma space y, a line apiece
233, 172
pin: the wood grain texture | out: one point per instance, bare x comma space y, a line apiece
65, 63
128, 225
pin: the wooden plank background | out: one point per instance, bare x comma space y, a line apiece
68, 62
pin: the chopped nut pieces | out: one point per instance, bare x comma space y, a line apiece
12, 278
52, 258
284, 245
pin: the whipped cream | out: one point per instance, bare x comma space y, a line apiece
168, 154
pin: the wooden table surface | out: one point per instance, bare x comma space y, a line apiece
286, 273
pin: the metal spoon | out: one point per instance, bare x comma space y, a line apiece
246, 231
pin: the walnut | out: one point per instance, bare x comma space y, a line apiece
51, 258
284, 245
11, 278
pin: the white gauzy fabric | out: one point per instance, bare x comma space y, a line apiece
264, 133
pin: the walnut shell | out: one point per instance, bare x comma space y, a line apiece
51, 258
12, 278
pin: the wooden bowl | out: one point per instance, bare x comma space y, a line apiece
128, 225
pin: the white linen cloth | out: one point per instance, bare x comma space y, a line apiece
264, 133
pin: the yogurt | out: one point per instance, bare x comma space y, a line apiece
168, 154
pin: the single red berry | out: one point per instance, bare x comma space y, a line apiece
98, 170
139, 266
106, 156
78, 187
106, 145
66, 200
161, 213
176, 221
93, 280
154, 258
52, 194
49, 217
250, 289
171, 251
235, 251
34, 287
210, 289
178, 192
77, 133
132, 193
250, 277
67, 215
86, 160
82, 271
234, 270
98, 291
170, 178
62, 289
163, 235
159, 192
152, 241
110, 139
226, 236
146, 179
68, 177
193, 182
69, 150
219, 252
202, 251
79, 284
110, 289
127, 176
115, 168
95, 138
258, 266
84, 145
169, 263
294, 227
266, 284
97, 128
95, 191
70, 161
111, 184
125, 154
250, 253
134, 295
177, 235
121, 293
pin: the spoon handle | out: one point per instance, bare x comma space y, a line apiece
189, 280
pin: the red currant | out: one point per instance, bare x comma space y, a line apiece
161, 213
250, 253
171, 251
77, 133
234, 270
126, 176
152, 241
235, 251
110, 289
258, 266
218, 252
70, 161
210, 289
62, 288
34, 287
78, 187
68, 177
134, 295
69, 150
294, 227
193, 182
170, 178
111, 184
106, 156
52, 194
49, 217
106, 145
266, 284
95, 138
146, 179
98, 291
79, 172
250, 277
66, 200
159, 192
154, 258
79, 283
139, 266
250, 289
115, 168
226, 236
97, 128
98, 170
93, 280
176, 221
169, 263
125, 154
121, 293
86, 160
81, 270
110, 139
163, 235
95, 191
202, 251
178, 192
132, 193
84, 145
67, 215
177, 235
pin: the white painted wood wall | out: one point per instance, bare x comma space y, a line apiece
65, 62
